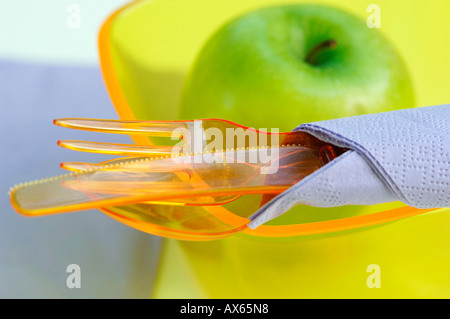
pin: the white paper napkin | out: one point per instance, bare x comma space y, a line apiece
400, 155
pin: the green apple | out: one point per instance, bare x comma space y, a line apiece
281, 66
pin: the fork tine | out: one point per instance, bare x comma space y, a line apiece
149, 128
77, 166
116, 149
83, 166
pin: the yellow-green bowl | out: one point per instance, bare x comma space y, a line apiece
146, 49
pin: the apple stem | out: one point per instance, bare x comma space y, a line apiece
328, 44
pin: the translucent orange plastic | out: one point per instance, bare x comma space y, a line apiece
205, 135
207, 195
199, 179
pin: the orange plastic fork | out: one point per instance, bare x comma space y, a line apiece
202, 184
195, 136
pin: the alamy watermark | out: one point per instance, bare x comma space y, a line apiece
73, 20
374, 279
74, 279
227, 145
374, 20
